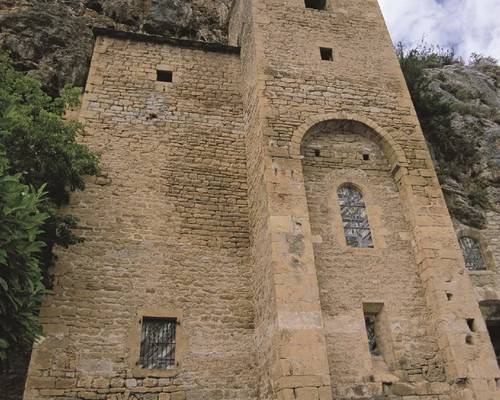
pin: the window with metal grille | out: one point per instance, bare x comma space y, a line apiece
370, 321
158, 343
474, 260
354, 217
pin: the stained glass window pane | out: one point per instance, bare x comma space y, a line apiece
474, 260
354, 218
158, 343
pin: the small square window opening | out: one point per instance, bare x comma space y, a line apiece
158, 343
366, 157
315, 4
317, 152
164, 76
326, 53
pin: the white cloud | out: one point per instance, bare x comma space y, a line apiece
467, 25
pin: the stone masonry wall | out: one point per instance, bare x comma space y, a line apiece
362, 83
385, 275
166, 229
208, 211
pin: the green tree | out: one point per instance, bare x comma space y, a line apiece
21, 286
40, 149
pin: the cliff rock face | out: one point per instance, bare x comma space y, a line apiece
53, 38
472, 184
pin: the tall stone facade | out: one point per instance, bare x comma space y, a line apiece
218, 208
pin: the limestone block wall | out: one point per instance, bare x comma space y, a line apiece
354, 279
361, 83
165, 228
242, 32
214, 207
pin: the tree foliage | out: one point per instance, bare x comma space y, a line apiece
21, 287
39, 150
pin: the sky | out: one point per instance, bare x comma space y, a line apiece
469, 26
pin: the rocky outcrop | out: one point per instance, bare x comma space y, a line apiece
53, 38
471, 178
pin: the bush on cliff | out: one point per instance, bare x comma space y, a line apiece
433, 109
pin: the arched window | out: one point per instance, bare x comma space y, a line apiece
474, 260
354, 218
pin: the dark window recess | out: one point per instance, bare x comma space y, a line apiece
317, 152
164, 76
370, 322
471, 324
494, 331
366, 157
326, 53
316, 4
474, 260
354, 217
158, 343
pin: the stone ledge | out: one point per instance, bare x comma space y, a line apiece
185, 43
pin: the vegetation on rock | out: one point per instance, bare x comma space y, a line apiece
40, 163
53, 39
458, 108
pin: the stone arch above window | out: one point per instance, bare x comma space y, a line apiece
393, 151
354, 217
473, 256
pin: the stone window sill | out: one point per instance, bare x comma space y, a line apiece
481, 273
139, 372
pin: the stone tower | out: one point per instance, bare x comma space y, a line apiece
268, 225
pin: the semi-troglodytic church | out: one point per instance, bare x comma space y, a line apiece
268, 225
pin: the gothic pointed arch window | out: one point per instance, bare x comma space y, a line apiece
354, 217
474, 260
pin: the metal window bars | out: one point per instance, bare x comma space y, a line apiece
473, 257
158, 343
354, 218
370, 321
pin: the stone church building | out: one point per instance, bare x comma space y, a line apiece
268, 225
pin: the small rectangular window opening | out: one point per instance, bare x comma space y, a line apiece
366, 157
317, 152
326, 53
158, 343
370, 324
164, 76
315, 4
